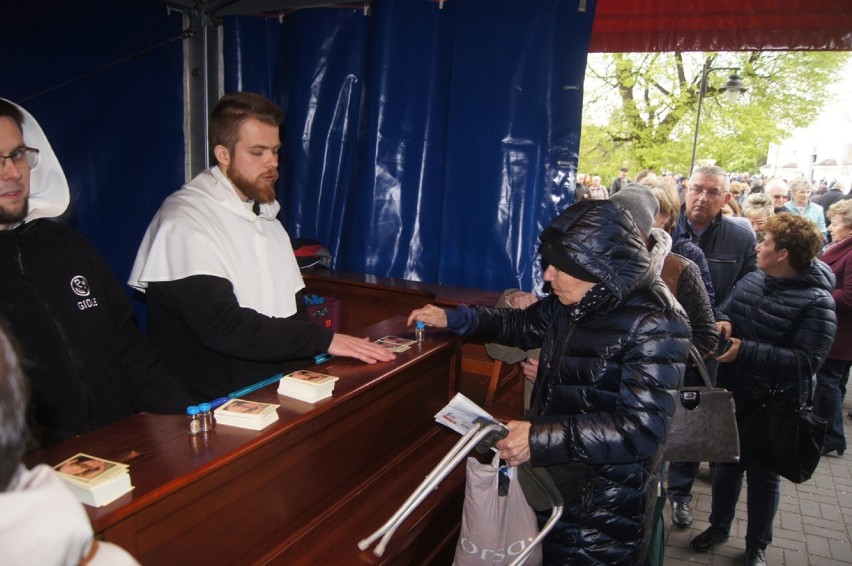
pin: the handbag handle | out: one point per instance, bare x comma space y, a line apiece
699, 365
799, 355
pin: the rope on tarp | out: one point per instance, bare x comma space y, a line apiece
185, 34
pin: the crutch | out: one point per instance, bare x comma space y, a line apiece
484, 431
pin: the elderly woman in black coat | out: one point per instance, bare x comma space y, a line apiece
780, 311
613, 341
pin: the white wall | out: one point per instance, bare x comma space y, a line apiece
828, 137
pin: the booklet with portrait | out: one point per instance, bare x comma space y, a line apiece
307, 386
461, 414
94, 481
246, 414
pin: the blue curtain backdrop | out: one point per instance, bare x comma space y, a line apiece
104, 80
423, 143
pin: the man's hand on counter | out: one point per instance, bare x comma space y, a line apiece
343, 345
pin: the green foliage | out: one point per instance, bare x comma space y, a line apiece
640, 108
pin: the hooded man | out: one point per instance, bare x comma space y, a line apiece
224, 291
87, 363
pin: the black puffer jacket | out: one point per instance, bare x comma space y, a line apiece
772, 316
600, 396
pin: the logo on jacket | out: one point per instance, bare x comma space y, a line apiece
80, 286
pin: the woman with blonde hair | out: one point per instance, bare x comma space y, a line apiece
758, 208
832, 376
800, 190
732, 210
738, 190
667, 219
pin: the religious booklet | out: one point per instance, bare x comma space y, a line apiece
246, 414
307, 386
395, 344
461, 413
94, 481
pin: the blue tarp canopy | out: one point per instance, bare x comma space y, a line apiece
426, 140
421, 141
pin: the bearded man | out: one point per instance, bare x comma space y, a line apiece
222, 283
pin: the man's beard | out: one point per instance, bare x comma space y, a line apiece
257, 190
9, 217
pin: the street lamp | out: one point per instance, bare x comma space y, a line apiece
733, 89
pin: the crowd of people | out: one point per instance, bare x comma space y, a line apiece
638, 272
750, 264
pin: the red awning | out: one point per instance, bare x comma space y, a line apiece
721, 25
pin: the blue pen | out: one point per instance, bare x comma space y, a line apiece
320, 358
219, 402
255, 387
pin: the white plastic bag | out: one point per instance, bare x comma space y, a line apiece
495, 529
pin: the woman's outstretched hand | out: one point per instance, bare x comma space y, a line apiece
431, 315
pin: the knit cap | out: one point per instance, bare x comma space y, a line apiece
641, 203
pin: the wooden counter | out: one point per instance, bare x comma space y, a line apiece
367, 299
304, 490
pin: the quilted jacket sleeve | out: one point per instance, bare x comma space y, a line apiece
623, 422
692, 295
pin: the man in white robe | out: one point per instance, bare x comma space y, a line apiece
222, 283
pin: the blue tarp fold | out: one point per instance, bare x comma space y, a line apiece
423, 143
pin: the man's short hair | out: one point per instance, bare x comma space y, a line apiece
13, 405
714, 171
777, 184
235, 108
9, 110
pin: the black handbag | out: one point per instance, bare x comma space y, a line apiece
781, 434
704, 425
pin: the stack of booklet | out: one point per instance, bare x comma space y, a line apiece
95, 481
307, 386
246, 414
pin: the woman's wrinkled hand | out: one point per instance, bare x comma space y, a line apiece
431, 315
515, 448
521, 299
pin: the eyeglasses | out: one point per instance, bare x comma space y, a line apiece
709, 194
23, 157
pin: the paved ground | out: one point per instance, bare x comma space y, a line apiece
812, 527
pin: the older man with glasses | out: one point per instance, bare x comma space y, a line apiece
730, 251
780, 193
728, 247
